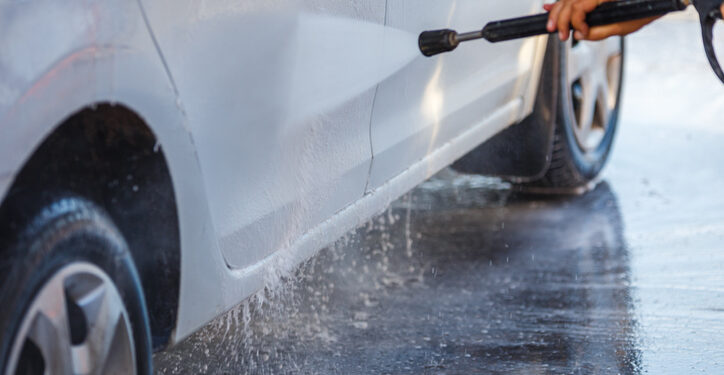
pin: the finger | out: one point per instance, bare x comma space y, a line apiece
547, 7
564, 22
578, 20
603, 32
553, 17
622, 28
722, 9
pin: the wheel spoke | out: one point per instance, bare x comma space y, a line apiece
579, 61
92, 301
588, 106
104, 317
120, 358
611, 47
49, 329
604, 100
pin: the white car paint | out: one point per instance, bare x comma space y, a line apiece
5, 181
290, 99
285, 123
438, 98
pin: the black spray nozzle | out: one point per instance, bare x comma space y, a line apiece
435, 42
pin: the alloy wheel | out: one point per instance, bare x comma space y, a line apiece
594, 72
76, 324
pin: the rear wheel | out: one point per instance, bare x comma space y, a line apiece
72, 298
589, 75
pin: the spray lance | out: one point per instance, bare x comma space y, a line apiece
435, 42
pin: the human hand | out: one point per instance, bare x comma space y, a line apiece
566, 13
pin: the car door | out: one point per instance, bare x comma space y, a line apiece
278, 97
433, 100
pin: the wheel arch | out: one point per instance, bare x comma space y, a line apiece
108, 154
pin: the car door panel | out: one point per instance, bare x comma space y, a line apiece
433, 100
281, 128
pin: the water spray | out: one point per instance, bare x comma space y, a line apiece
435, 42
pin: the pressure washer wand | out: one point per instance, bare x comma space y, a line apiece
439, 41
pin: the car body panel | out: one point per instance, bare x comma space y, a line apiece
279, 97
432, 100
242, 220
5, 181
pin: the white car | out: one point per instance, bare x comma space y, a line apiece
160, 158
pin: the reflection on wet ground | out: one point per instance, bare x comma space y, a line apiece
461, 276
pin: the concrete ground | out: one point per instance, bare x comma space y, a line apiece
462, 276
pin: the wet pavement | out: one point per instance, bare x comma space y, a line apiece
464, 276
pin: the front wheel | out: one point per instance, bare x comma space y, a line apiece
589, 79
72, 302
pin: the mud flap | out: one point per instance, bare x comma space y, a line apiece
522, 152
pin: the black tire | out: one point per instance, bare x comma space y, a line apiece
52, 236
572, 168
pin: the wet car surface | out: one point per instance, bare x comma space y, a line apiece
464, 275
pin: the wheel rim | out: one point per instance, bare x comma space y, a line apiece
594, 76
76, 324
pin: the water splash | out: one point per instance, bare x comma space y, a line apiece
297, 319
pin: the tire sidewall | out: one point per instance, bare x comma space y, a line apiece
77, 232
